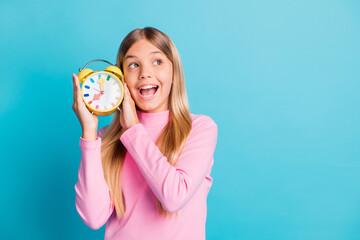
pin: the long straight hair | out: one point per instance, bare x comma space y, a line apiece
173, 136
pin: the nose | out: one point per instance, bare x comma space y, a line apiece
145, 72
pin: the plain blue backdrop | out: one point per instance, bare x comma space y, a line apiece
280, 78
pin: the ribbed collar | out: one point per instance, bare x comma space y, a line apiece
153, 120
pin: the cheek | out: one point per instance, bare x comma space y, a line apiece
133, 91
167, 77
131, 86
166, 85
129, 79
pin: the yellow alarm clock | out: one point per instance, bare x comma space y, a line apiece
101, 91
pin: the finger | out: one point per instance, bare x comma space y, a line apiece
74, 87
123, 83
127, 92
126, 88
77, 96
130, 95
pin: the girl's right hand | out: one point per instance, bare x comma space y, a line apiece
88, 121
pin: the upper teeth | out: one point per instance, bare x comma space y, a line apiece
148, 86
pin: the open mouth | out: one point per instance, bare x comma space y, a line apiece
148, 91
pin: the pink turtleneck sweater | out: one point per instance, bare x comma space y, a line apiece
146, 176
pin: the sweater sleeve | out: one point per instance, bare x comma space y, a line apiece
92, 201
174, 185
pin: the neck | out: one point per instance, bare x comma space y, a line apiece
157, 119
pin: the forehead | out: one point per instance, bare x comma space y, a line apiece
142, 48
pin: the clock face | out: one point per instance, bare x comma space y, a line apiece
102, 91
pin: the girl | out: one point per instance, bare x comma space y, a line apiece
146, 174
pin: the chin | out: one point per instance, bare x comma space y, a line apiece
150, 108
147, 109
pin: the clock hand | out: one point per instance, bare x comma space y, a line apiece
97, 96
101, 81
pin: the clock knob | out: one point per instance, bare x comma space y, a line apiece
83, 74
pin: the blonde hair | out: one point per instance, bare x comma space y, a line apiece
174, 135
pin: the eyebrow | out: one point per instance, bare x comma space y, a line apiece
131, 56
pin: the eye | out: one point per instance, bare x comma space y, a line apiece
132, 64
159, 61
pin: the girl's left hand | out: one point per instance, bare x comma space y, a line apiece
128, 116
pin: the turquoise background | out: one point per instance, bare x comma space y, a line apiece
280, 78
